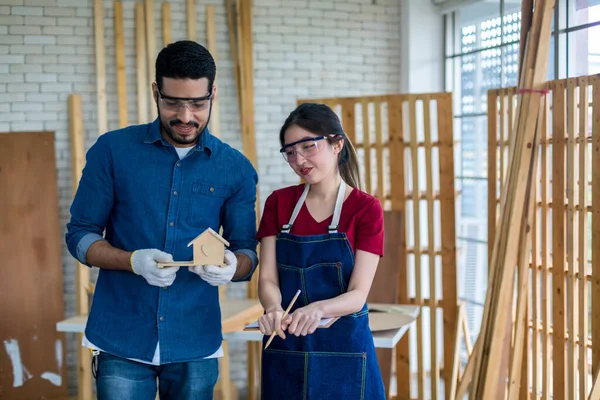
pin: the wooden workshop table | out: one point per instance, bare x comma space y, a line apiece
388, 322
387, 331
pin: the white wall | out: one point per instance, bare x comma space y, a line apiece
422, 29
302, 49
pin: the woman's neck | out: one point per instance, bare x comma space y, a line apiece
326, 189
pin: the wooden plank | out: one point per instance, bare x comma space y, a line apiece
488, 374
398, 190
493, 143
234, 51
571, 242
211, 38
166, 23
384, 288
82, 273
349, 119
467, 377
414, 160
515, 385
545, 256
583, 242
379, 154
120, 58
31, 273
502, 139
100, 67
535, 274
141, 70
558, 241
190, 11
448, 226
595, 392
151, 49
595, 318
434, 371
367, 147
456, 352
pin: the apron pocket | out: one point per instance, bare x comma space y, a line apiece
283, 374
318, 282
336, 375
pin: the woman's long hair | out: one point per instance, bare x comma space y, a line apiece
323, 121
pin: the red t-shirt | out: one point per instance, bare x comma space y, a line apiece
361, 218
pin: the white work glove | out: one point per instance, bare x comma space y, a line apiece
217, 275
144, 263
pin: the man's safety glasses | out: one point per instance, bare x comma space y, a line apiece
194, 104
306, 148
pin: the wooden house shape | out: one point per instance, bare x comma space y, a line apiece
208, 249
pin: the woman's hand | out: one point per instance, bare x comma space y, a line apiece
271, 321
305, 320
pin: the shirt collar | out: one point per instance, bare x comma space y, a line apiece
205, 142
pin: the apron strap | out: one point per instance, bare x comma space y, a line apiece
337, 211
286, 228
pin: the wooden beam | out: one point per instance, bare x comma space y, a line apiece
595, 319
166, 23
595, 392
559, 326
211, 38
141, 59
487, 379
448, 227
120, 58
82, 273
398, 190
191, 19
151, 50
100, 67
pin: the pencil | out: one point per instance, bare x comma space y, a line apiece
282, 318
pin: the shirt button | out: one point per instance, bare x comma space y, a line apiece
212, 189
179, 164
175, 193
171, 224
165, 287
161, 318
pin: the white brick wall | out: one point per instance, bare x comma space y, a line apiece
302, 49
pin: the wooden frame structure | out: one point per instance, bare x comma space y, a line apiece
405, 143
563, 264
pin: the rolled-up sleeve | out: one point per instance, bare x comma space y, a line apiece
92, 203
239, 217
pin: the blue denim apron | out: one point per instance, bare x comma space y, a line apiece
333, 363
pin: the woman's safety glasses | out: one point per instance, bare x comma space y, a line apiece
175, 104
307, 148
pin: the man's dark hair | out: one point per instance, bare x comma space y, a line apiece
185, 59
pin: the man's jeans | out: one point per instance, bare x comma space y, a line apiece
122, 379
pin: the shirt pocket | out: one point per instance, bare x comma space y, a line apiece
205, 204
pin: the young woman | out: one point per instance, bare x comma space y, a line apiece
324, 238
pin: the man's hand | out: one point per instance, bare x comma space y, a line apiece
215, 274
145, 263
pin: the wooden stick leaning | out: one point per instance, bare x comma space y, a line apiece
285, 314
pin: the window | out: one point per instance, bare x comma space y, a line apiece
482, 53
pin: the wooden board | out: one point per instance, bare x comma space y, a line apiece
235, 314
31, 281
385, 284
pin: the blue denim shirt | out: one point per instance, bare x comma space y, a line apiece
136, 190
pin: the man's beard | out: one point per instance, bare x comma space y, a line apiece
174, 136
